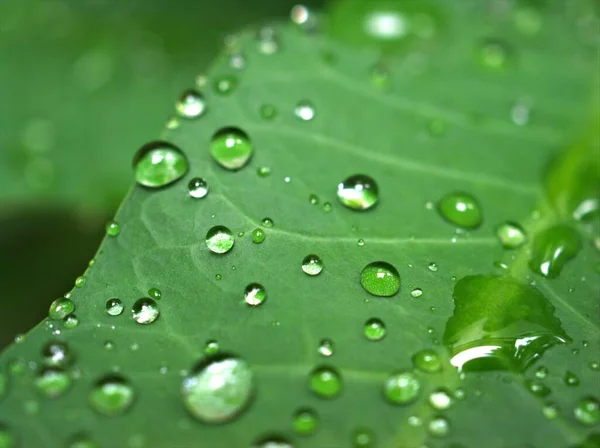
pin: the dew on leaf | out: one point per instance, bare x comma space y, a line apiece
81, 441
374, 330
263, 171
145, 311
268, 42
267, 222
327, 207
231, 148
541, 372
211, 348
218, 389
433, 267
326, 347
56, 354
197, 188
519, 114
439, 427
427, 361
571, 379
312, 265
255, 294
380, 279
440, 399
305, 422
552, 249
494, 54
358, 192
587, 411
550, 411
155, 293
313, 199
52, 382
112, 395
237, 61
363, 438
80, 281
417, 292
537, 388
113, 228
16, 366
191, 104
158, 164
71, 321
114, 307
219, 239
325, 382
402, 388
460, 209
594, 365
258, 236
303, 17
226, 84
305, 110
61, 308
511, 235
109, 345
273, 442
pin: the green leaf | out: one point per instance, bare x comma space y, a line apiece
428, 118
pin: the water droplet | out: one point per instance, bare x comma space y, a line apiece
460, 209
113, 228
211, 348
494, 54
268, 42
81, 441
219, 239
325, 382
267, 222
433, 267
268, 112
519, 114
541, 372
511, 235
198, 188
114, 307
145, 311
191, 104
226, 84
402, 388
56, 354
158, 164
439, 427
427, 361
500, 324
417, 292
218, 389
594, 365
374, 330
571, 379
312, 265
61, 308
327, 207
52, 382
358, 192
537, 388
71, 321
313, 199
231, 148
258, 236
440, 399
303, 17
552, 249
273, 442
112, 395
155, 293
80, 281
255, 294
305, 422
263, 171
550, 411
109, 345
305, 111
326, 347
587, 411
237, 61
363, 438
361, 242
380, 279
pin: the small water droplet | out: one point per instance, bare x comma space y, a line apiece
57, 354
552, 249
237, 61
427, 361
571, 379
363, 438
587, 411
313, 199
52, 382
303, 17
541, 372
358, 192
114, 307
402, 388
415, 421
219, 239
519, 114
361, 242
267, 222
113, 228
231, 148
327, 207
226, 84
273, 442
326, 347
158, 164
305, 422
61, 308
325, 382
312, 265
112, 395
460, 209
191, 104
211, 348
550, 411
81, 441
511, 235
198, 188
71, 321
494, 54
255, 294
145, 311
155, 293
374, 330
218, 389
305, 110
268, 112
440, 399
594, 365
258, 236
287, 179
80, 281
268, 42
537, 388
417, 292
380, 279
433, 267
109, 345
263, 171
439, 427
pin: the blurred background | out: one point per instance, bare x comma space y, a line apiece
83, 84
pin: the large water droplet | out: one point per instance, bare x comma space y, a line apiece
158, 164
258, 236
325, 382
218, 389
219, 239
380, 279
145, 311
552, 249
312, 265
198, 188
460, 209
587, 411
191, 104
427, 361
112, 395
114, 307
53, 382
402, 388
500, 324
61, 308
511, 235
255, 294
358, 192
374, 330
57, 354
231, 148
305, 421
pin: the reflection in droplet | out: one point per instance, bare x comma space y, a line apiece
358, 192
145, 311
191, 104
231, 148
219, 239
312, 265
380, 279
198, 188
255, 294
